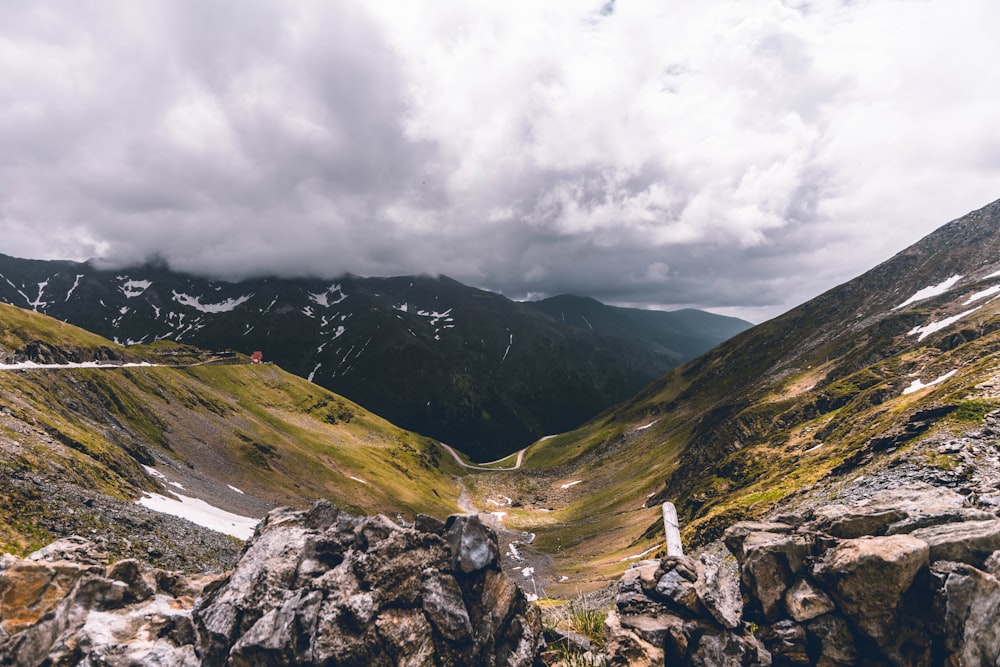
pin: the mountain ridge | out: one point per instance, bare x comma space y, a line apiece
472, 368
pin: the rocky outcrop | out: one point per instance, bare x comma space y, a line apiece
315, 587
908, 577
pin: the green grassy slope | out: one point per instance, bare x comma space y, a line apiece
273, 435
803, 402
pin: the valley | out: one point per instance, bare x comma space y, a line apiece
890, 381
463, 365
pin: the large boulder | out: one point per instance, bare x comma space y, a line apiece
868, 577
905, 578
63, 612
311, 588
322, 587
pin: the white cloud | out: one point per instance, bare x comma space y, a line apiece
763, 150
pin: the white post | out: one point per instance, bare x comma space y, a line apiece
673, 530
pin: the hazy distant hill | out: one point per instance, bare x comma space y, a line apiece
469, 367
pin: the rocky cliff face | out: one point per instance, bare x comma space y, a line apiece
315, 587
907, 577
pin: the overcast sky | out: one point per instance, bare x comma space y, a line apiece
741, 156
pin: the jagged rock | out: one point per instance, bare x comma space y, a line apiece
937, 518
971, 608
829, 601
969, 542
769, 566
312, 588
805, 601
636, 585
736, 534
624, 648
473, 545
30, 590
915, 499
428, 524
868, 577
129, 572
74, 549
571, 640
719, 593
716, 648
786, 641
396, 596
992, 564
837, 645
675, 587
94, 621
847, 523
444, 606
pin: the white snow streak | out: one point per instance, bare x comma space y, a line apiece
928, 329
638, 556
313, 374
38, 303
917, 385
643, 428
928, 292
134, 288
76, 283
222, 307
154, 472
566, 486
507, 351
323, 298
21, 365
989, 291
199, 512
235, 489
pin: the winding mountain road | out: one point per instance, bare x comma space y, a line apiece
459, 461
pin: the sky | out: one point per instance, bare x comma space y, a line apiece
740, 156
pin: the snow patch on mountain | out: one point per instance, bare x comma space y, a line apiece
134, 288
76, 284
38, 304
933, 327
220, 307
917, 385
982, 294
932, 290
16, 288
334, 291
199, 512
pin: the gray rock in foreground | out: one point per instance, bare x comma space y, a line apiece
312, 588
906, 578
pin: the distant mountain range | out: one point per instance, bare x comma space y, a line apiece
466, 366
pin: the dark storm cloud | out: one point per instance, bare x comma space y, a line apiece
733, 155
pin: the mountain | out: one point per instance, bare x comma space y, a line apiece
881, 381
466, 366
679, 334
88, 427
889, 380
